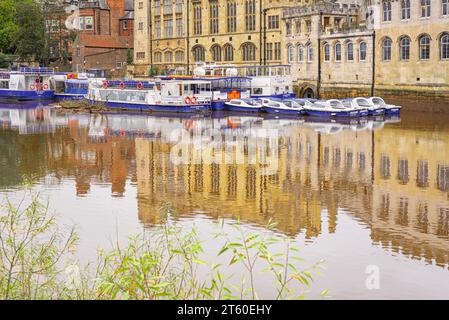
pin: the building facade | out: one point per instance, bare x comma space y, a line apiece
181, 33
104, 37
387, 48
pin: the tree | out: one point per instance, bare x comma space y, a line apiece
129, 57
8, 27
29, 40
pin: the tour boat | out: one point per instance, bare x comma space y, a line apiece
245, 105
69, 86
363, 104
330, 108
26, 84
284, 107
266, 81
389, 108
164, 96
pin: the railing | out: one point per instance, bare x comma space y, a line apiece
39, 70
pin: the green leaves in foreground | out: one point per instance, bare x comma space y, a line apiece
164, 262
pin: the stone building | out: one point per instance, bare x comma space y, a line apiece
104, 36
167, 35
385, 48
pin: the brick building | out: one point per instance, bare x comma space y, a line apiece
104, 36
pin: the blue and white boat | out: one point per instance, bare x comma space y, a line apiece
162, 96
390, 109
69, 86
26, 84
282, 107
363, 104
244, 105
330, 108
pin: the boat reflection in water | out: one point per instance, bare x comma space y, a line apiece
389, 174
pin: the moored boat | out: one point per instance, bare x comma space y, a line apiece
26, 84
389, 108
363, 104
330, 108
282, 107
69, 86
244, 105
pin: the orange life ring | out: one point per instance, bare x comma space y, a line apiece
105, 84
32, 87
187, 100
194, 100
45, 86
139, 85
122, 85
189, 124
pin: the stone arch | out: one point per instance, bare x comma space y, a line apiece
306, 90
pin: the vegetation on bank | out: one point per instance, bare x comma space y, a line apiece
82, 106
37, 261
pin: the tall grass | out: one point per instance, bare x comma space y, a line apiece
38, 261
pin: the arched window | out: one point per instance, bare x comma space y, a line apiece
168, 56
362, 51
157, 57
179, 56
309, 53
404, 48
248, 52
327, 52
300, 53
291, 53
424, 47
350, 51
216, 52
198, 54
386, 49
228, 52
444, 46
338, 52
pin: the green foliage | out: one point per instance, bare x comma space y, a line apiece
8, 27
29, 39
129, 57
165, 262
5, 60
154, 71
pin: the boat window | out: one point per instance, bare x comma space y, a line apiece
363, 103
273, 104
280, 71
347, 103
236, 102
123, 96
287, 71
378, 101
257, 90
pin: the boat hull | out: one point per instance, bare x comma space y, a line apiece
281, 111
326, 113
376, 112
155, 108
230, 107
218, 105
393, 111
69, 96
25, 95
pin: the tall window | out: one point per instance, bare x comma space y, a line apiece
298, 26
273, 22
386, 49
425, 8
386, 8
228, 52
444, 46
157, 57
168, 28
179, 4
168, 56
213, 17
350, 51
248, 52
231, 12
216, 52
288, 28
327, 52
277, 51
405, 9
291, 53
198, 54
404, 48
362, 51
179, 27
168, 6
309, 53
424, 47
338, 52
269, 51
300, 53
179, 56
445, 7
197, 23
157, 7
250, 15
157, 28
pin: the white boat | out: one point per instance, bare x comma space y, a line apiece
26, 84
330, 108
363, 104
389, 108
284, 107
245, 105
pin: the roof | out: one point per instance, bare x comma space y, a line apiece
128, 16
105, 41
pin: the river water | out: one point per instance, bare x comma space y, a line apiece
358, 194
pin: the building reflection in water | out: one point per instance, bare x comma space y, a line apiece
392, 177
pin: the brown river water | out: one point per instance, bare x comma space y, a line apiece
370, 192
